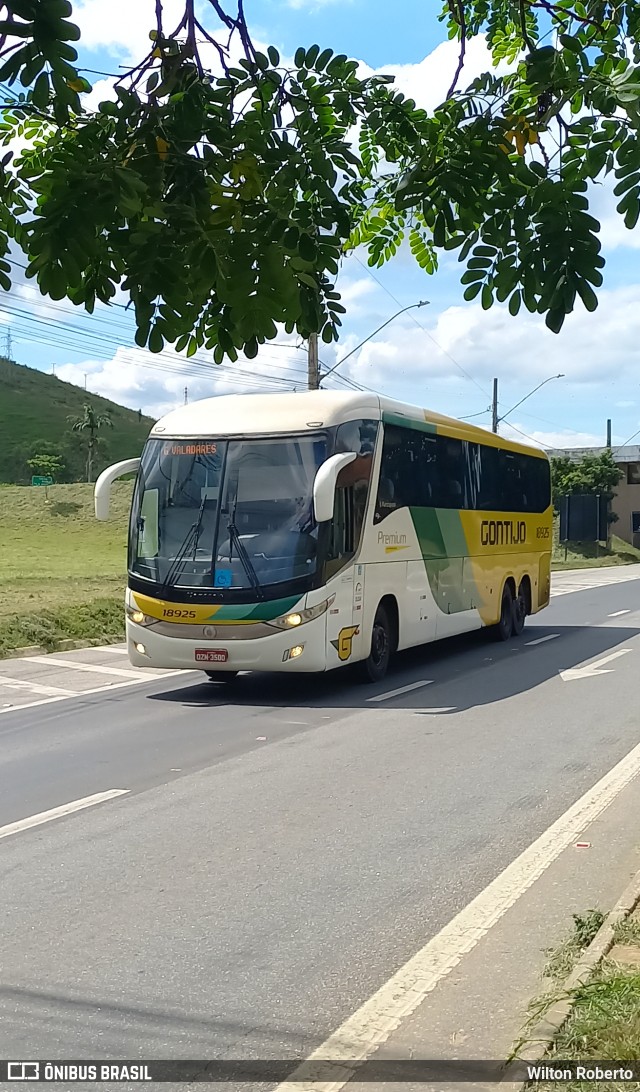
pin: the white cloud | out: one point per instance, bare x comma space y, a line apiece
559, 439
122, 26
428, 81
156, 383
591, 349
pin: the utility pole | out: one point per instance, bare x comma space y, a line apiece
609, 433
186, 395
313, 380
85, 380
494, 407
9, 344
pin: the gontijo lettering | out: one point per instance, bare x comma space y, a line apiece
190, 449
503, 532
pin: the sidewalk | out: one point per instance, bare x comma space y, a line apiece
477, 1013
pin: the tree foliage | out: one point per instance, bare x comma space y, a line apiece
593, 474
48, 465
221, 193
89, 424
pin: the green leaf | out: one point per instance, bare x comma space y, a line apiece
274, 56
41, 91
587, 295
156, 340
486, 298
311, 56
323, 59
571, 43
299, 57
554, 319
514, 303
472, 291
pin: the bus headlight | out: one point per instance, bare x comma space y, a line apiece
138, 616
299, 617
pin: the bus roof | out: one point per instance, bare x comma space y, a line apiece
265, 414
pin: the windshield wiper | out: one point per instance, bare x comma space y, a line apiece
191, 538
247, 564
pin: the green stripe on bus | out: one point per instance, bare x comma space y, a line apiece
255, 612
406, 422
444, 549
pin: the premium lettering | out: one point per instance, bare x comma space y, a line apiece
503, 532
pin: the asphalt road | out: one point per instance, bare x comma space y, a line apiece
283, 847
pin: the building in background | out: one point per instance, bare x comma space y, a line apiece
626, 503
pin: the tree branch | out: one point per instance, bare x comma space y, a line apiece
463, 48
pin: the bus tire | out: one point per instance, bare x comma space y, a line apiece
221, 676
375, 667
503, 629
520, 610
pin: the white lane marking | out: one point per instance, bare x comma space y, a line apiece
444, 709
57, 813
372, 1024
617, 613
98, 669
35, 688
401, 690
596, 668
108, 689
541, 640
111, 649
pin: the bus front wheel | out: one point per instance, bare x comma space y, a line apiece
374, 668
221, 676
503, 629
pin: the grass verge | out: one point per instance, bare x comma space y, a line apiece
591, 555
604, 1025
63, 574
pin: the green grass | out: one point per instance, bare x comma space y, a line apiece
33, 412
604, 1024
591, 555
63, 574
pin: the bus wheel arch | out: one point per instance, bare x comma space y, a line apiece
384, 641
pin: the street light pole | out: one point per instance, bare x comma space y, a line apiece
422, 303
497, 419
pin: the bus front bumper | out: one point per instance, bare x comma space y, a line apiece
300, 650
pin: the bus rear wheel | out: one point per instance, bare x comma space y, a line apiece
520, 610
503, 629
375, 667
221, 676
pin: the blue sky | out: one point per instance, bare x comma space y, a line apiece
444, 355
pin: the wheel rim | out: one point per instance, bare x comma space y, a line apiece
520, 610
506, 608
379, 644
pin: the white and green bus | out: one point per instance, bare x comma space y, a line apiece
305, 532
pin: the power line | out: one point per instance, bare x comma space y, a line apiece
423, 328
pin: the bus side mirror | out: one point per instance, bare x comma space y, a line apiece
324, 486
102, 491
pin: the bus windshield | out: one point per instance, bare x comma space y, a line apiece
226, 513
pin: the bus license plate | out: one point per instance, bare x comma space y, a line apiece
211, 655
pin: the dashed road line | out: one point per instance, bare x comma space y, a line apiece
57, 813
36, 688
107, 689
401, 690
97, 669
617, 613
541, 640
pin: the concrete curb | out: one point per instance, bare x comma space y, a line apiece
544, 1034
61, 646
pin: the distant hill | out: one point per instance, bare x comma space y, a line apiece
34, 408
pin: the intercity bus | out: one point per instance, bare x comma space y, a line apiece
305, 532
